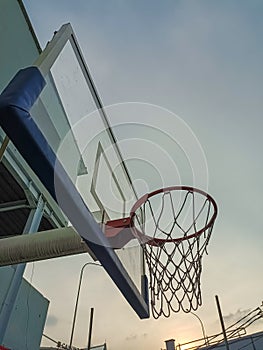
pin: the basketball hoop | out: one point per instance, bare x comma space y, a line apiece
173, 226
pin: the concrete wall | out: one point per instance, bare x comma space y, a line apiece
19, 46
25, 328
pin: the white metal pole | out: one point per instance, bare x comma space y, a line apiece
32, 225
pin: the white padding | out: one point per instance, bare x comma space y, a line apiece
41, 246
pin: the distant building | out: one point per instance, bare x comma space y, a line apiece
97, 347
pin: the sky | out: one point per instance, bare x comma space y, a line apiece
197, 65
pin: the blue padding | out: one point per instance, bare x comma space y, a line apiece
15, 104
24, 89
15, 119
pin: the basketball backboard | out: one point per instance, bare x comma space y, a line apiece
72, 118
72, 148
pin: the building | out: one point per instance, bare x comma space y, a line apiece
26, 207
97, 347
22, 209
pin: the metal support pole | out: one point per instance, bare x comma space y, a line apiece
222, 322
90, 327
77, 301
31, 226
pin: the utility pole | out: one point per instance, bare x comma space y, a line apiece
90, 327
222, 322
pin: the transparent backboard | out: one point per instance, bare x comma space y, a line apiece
70, 114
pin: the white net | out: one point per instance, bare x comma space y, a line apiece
174, 226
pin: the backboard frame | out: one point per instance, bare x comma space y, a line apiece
48, 57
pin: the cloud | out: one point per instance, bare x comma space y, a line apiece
52, 320
133, 337
234, 317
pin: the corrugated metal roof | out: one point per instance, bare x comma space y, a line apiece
9, 189
13, 217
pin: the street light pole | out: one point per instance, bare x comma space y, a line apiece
202, 326
77, 300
